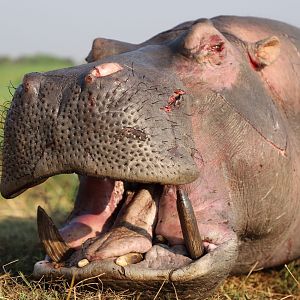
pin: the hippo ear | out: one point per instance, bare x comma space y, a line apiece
264, 52
204, 42
104, 47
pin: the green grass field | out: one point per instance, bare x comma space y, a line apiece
20, 248
12, 71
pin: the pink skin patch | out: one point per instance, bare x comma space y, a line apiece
210, 211
106, 69
102, 71
211, 61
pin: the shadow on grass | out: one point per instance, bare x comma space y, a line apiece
19, 244
20, 248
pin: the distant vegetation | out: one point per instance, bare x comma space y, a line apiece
13, 70
36, 59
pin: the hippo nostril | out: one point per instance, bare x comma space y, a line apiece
89, 78
31, 83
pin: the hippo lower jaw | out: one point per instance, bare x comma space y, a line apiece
197, 280
162, 264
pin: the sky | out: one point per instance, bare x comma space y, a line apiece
66, 28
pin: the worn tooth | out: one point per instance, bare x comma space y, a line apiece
82, 263
189, 227
53, 243
129, 259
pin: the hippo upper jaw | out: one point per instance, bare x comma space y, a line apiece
98, 126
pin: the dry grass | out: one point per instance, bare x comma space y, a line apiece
269, 284
263, 285
22, 287
20, 249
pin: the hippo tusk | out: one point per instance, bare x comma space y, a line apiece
189, 227
52, 241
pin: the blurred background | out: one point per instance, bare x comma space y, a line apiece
67, 28
38, 35
33, 30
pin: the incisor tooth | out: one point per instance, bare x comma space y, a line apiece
189, 227
52, 241
128, 259
82, 263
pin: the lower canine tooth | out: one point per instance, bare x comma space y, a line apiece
82, 263
128, 259
189, 227
53, 243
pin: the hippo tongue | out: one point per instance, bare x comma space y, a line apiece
131, 232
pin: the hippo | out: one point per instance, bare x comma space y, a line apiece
187, 151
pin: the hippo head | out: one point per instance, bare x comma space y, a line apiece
159, 134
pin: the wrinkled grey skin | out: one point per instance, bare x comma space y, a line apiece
245, 127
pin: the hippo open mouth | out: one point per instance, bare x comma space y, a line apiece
120, 230
111, 221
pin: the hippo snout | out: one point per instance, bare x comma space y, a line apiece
100, 125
